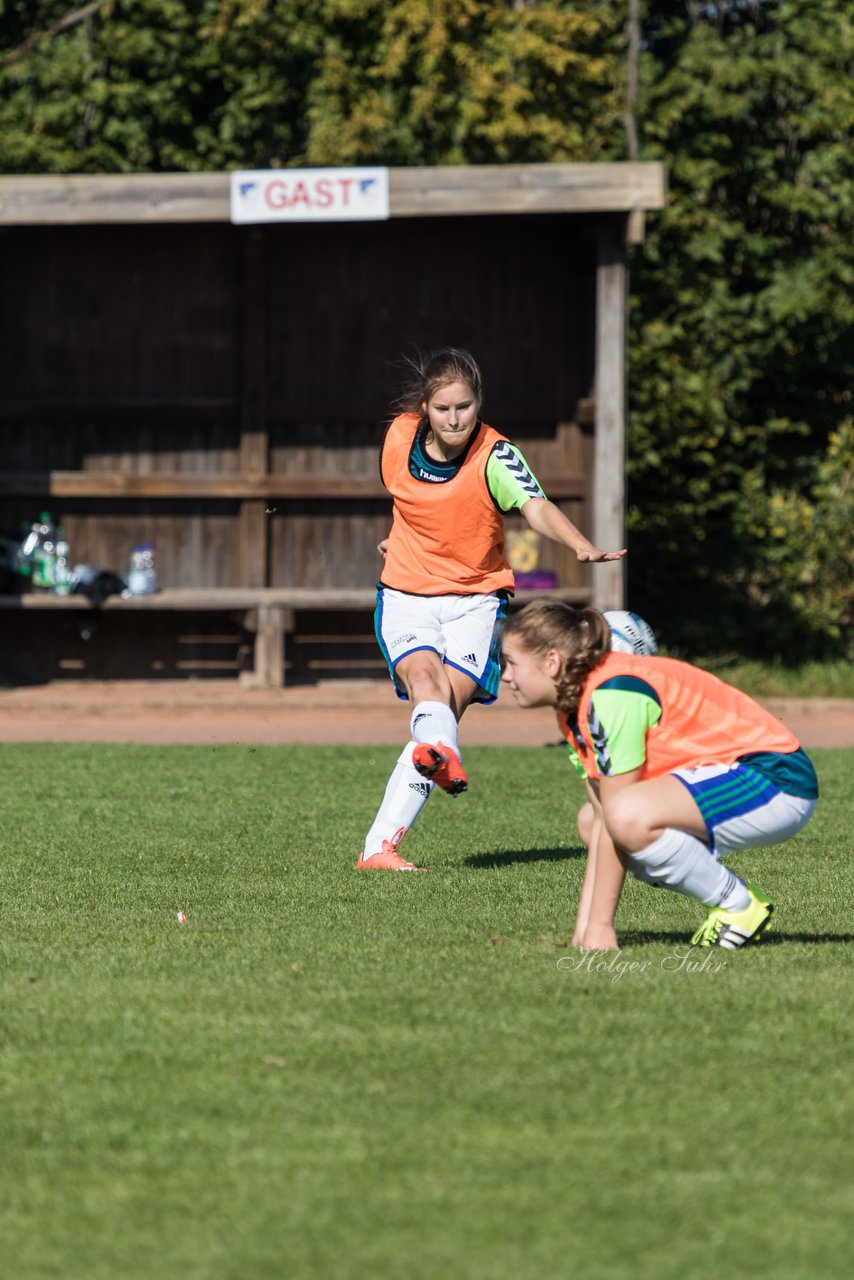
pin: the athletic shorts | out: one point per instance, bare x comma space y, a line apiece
741, 808
465, 631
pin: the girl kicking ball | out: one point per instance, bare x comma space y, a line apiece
445, 580
682, 769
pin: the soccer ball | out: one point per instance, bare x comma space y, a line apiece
629, 632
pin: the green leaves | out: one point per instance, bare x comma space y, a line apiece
159, 84
798, 553
741, 327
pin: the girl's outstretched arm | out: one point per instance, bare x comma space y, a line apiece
583, 914
609, 875
600, 934
549, 520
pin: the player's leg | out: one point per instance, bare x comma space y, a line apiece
660, 827
405, 795
584, 821
411, 634
669, 829
439, 696
407, 628
471, 667
744, 810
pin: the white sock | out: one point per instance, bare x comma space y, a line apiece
405, 796
435, 722
736, 898
683, 863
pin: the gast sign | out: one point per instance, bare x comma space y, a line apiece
309, 195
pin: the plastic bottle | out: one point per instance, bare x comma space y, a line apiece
23, 553
34, 536
142, 578
62, 577
40, 546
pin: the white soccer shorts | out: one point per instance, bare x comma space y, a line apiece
465, 631
741, 808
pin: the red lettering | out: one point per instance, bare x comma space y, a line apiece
300, 195
323, 192
345, 184
276, 195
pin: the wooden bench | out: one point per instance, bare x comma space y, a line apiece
268, 612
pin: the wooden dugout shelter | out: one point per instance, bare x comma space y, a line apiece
220, 391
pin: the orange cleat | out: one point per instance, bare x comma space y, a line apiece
388, 859
441, 765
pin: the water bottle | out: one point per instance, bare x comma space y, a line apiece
23, 554
62, 577
142, 578
31, 542
40, 547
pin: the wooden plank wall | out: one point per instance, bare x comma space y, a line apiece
212, 350
120, 355
521, 302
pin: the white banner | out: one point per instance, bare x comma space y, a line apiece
309, 195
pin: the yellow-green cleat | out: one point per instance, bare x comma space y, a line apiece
731, 929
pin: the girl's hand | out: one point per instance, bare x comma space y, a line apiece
600, 937
382, 547
546, 518
593, 554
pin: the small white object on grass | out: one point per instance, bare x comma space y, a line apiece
182, 919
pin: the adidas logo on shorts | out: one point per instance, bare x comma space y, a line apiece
470, 658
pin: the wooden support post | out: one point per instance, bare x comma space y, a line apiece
253, 544
270, 647
254, 438
609, 466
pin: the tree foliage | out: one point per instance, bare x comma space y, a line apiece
742, 310
798, 560
165, 85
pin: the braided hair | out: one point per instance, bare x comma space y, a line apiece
581, 636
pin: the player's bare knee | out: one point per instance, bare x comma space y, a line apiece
425, 680
584, 821
628, 822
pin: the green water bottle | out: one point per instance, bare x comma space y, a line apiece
44, 554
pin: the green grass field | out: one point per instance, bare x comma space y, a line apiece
338, 1075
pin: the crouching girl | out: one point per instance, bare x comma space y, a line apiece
681, 770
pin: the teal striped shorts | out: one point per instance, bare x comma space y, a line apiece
741, 808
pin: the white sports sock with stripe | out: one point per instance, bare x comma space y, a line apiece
405, 796
435, 722
683, 863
